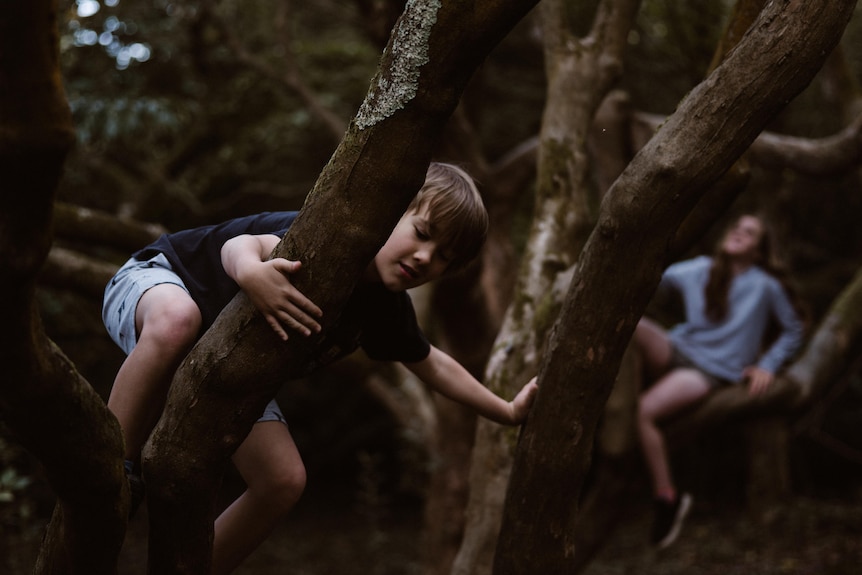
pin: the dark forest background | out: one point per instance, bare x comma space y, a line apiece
189, 113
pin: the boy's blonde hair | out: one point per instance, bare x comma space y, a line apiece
456, 212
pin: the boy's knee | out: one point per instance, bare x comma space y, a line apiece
286, 488
174, 326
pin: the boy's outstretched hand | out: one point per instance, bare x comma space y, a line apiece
523, 402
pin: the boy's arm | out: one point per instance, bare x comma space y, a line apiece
450, 378
266, 283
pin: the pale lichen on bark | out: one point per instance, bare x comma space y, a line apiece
394, 89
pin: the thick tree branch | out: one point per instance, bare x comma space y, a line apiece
834, 154
68, 269
356, 202
580, 72
48, 406
831, 155
76, 223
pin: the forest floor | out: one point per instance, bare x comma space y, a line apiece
325, 536
806, 537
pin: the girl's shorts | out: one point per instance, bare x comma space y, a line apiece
120, 303
680, 360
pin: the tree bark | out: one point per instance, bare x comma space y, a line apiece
580, 73
719, 119
49, 407
356, 202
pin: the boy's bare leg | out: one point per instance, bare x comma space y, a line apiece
168, 322
272, 468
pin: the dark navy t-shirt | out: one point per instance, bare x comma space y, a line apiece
382, 322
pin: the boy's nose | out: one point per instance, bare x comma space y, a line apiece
424, 254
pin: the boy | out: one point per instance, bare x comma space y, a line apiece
168, 294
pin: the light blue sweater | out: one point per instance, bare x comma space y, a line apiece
725, 348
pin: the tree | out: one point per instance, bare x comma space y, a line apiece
174, 173
346, 218
580, 72
51, 409
661, 185
403, 112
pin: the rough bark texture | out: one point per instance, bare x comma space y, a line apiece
580, 73
357, 200
720, 118
48, 406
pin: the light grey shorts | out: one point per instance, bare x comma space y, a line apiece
122, 295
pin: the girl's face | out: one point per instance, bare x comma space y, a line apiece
742, 241
411, 256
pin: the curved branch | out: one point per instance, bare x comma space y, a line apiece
73, 222
813, 157
68, 269
838, 153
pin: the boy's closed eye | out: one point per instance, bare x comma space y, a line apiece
422, 233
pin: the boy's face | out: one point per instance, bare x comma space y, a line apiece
411, 256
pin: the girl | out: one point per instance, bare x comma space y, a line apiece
730, 300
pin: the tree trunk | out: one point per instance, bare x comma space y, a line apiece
469, 308
719, 119
356, 202
49, 407
580, 73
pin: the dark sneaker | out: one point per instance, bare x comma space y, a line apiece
136, 488
668, 520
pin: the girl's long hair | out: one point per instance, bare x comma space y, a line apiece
721, 274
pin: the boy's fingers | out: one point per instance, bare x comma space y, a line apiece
276, 327
286, 266
307, 306
295, 318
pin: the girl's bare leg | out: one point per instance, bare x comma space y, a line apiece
677, 390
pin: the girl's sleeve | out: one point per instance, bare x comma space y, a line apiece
676, 275
790, 338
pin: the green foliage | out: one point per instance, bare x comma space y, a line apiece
16, 506
186, 133
11, 483
99, 121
